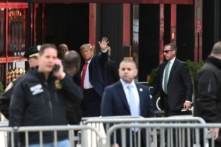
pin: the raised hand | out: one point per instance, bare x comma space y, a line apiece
103, 43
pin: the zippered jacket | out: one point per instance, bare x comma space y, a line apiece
40, 102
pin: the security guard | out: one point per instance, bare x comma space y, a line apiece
39, 98
32, 55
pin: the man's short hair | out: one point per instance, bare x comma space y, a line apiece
88, 45
45, 46
129, 61
71, 59
172, 46
216, 48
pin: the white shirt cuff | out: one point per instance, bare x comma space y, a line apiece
104, 51
189, 102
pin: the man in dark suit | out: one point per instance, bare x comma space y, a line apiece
110, 71
126, 97
174, 83
91, 77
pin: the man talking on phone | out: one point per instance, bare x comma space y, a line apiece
40, 98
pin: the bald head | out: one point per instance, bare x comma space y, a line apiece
71, 62
62, 49
216, 48
62, 45
216, 51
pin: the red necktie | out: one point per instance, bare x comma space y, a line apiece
83, 74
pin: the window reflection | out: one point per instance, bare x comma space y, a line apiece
16, 32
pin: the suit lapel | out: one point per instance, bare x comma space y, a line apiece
122, 94
140, 92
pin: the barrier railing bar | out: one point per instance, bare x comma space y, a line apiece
125, 120
41, 139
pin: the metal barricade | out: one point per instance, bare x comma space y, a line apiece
203, 139
54, 129
97, 122
3, 135
106, 122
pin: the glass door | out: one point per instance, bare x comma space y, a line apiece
12, 40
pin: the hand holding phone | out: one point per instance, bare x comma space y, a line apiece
56, 68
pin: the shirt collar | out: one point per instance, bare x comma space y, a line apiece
88, 61
126, 84
172, 61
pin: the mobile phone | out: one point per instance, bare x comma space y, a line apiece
56, 68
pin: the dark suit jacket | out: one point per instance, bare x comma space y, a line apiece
95, 75
179, 88
110, 73
114, 103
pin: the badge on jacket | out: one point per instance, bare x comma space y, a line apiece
58, 84
36, 89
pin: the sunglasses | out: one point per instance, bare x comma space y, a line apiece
167, 51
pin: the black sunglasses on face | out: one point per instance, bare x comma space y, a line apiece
167, 51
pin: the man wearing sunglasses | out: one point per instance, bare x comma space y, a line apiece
174, 83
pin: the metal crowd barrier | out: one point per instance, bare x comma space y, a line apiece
3, 135
97, 122
54, 129
93, 131
104, 123
166, 137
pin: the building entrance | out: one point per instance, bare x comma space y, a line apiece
62, 23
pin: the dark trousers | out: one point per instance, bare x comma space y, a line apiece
168, 111
135, 140
91, 103
134, 136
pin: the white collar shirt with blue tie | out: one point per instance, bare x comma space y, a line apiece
132, 97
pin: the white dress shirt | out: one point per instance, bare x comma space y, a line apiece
134, 91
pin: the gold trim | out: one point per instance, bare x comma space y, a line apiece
32, 55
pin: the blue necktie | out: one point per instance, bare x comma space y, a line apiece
134, 110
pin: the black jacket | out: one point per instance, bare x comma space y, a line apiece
207, 100
110, 73
40, 102
74, 113
74, 110
5, 98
